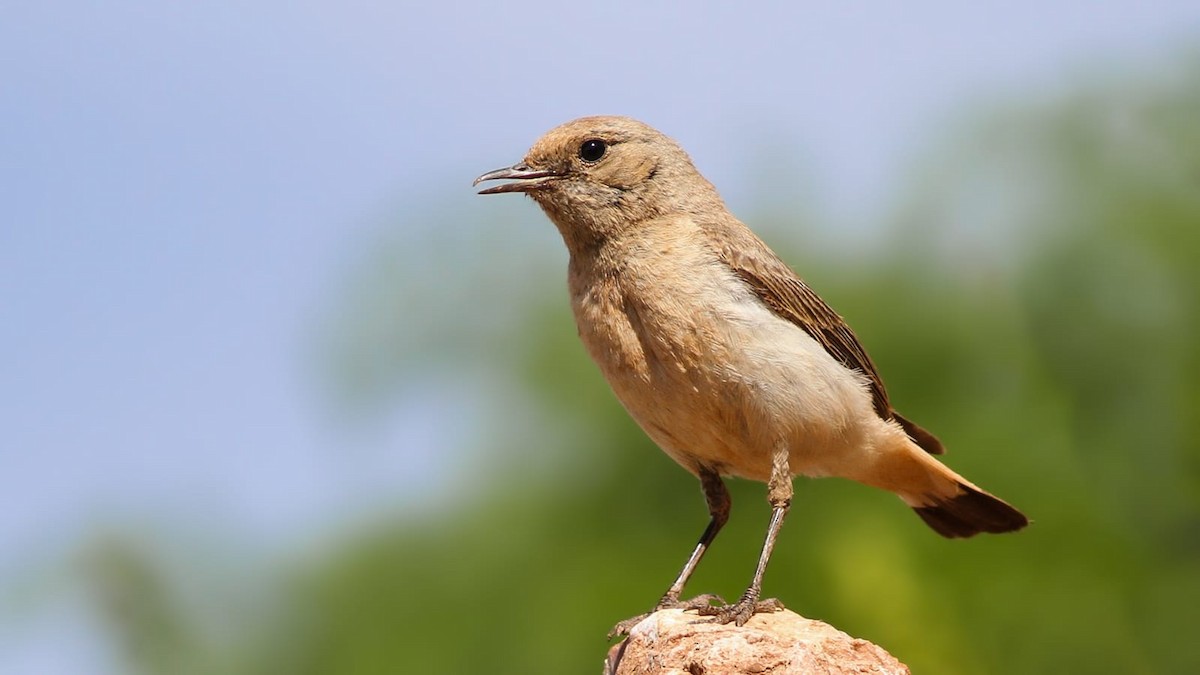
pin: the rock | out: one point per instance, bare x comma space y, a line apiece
674, 642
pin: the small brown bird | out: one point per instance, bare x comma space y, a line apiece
726, 359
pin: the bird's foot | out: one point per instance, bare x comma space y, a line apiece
699, 603
740, 612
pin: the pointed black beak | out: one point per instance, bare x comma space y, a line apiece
523, 177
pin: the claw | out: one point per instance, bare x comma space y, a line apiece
741, 611
697, 603
700, 603
622, 628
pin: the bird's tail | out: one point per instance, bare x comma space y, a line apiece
947, 502
970, 512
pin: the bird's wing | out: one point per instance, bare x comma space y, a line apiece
788, 296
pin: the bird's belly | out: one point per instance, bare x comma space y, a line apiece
723, 388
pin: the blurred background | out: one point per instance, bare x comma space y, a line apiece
281, 394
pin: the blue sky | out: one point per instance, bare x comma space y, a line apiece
185, 186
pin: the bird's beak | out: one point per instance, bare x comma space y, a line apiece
523, 177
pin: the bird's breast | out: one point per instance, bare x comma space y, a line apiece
709, 372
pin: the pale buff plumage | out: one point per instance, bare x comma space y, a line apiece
727, 360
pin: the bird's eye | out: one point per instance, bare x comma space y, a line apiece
592, 150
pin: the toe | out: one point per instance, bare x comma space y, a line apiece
697, 603
741, 611
701, 603
622, 629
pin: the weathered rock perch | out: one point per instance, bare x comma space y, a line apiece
671, 642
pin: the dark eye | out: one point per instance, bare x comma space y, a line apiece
592, 150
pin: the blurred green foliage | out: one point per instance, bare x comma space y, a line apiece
1055, 351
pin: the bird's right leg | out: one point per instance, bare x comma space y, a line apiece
719, 503
716, 495
779, 493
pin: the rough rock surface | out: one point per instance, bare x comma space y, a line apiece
674, 642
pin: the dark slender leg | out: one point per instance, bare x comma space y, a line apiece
779, 493
719, 502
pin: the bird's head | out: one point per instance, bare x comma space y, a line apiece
597, 176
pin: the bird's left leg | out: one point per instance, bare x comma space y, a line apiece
716, 495
779, 493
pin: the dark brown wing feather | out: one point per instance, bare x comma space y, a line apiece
789, 297
781, 290
928, 442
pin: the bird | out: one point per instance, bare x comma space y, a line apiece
719, 351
